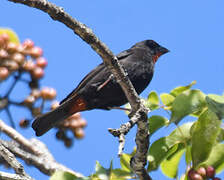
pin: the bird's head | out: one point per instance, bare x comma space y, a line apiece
155, 49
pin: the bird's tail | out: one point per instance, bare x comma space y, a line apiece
45, 122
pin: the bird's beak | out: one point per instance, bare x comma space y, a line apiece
163, 50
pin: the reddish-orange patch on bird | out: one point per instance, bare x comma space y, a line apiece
156, 57
78, 105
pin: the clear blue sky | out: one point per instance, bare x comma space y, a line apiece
192, 30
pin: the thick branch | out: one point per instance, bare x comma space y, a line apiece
9, 176
44, 161
112, 63
18, 137
11, 160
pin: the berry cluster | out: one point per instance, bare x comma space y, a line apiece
75, 123
202, 173
18, 61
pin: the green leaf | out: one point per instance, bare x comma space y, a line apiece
153, 101
153, 97
12, 35
181, 134
101, 172
220, 136
169, 166
216, 104
119, 174
188, 102
125, 162
204, 136
156, 122
157, 152
62, 175
167, 99
216, 158
178, 90
167, 146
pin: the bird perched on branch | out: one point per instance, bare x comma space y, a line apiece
99, 89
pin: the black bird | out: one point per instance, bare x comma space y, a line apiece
99, 89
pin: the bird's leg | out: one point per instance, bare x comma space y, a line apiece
105, 83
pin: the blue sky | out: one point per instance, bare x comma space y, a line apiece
191, 30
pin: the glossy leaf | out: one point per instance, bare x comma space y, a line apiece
125, 162
216, 104
181, 134
167, 99
12, 35
220, 136
216, 158
156, 122
101, 172
153, 97
157, 152
153, 101
190, 101
167, 146
178, 90
204, 136
169, 166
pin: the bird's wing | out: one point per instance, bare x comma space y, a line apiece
85, 80
93, 73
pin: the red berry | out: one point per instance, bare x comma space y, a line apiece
5, 37
210, 171
83, 123
29, 65
38, 73
202, 171
2, 42
48, 93
79, 133
24, 123
4, 73
18, 57
28, 43
3, 54
36, 111
191, 174
74, 124
60, 134
12, 65
12, 47
68, 142
41, 62
29, 100
36, 52
35, 93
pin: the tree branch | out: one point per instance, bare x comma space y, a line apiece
44, 160
9, 176
11, 160
57, 13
